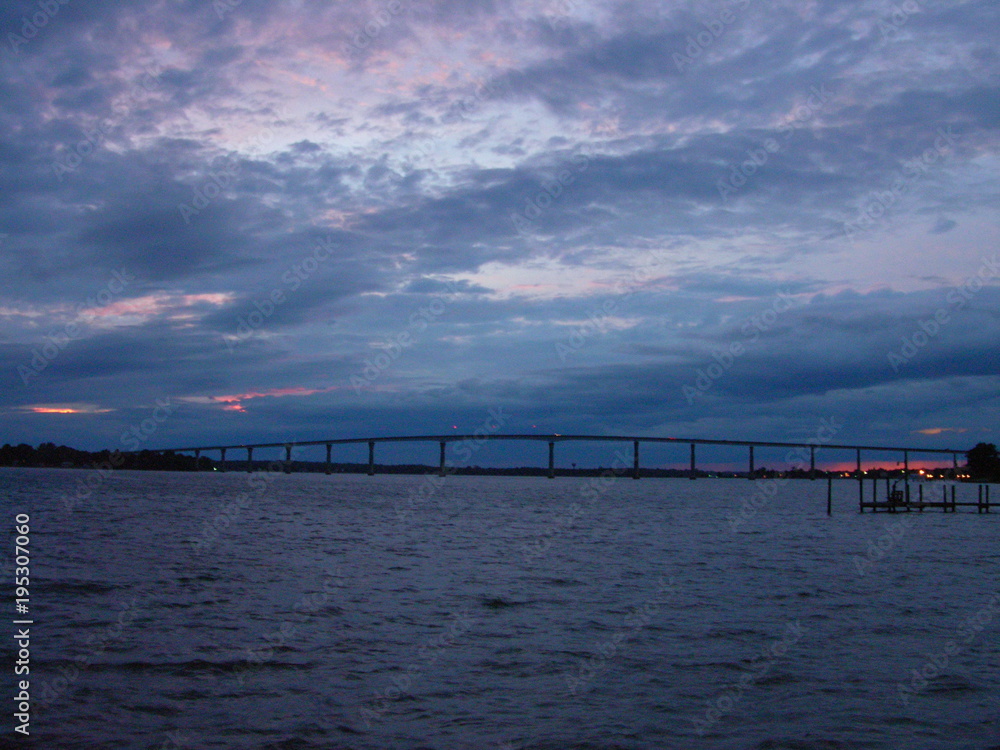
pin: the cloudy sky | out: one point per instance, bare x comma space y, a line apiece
299, 220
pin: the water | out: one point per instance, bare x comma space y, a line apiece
394, 612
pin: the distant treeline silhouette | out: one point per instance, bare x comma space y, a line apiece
50, 455
984, 463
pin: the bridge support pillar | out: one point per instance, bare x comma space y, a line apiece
812, 461
635, 459
222, 463
441, 467
750, 475
906, 475
552, 460
197, 460
371, 458
691, 475
328, 467
861, 483
288, 459
249, 459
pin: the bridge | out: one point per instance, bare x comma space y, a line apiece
552, 439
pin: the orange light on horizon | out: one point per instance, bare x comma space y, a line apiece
64, 409
888, 465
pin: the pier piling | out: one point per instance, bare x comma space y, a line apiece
861, 482
906, 475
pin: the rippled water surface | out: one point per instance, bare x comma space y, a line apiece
306, 611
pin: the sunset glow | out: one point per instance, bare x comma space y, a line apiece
721, 220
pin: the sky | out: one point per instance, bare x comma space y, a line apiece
236, 220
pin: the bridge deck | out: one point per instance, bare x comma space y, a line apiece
557, 438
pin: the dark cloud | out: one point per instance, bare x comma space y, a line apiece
567, 210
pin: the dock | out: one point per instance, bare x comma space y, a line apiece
895, 500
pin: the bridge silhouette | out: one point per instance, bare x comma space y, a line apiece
636, 440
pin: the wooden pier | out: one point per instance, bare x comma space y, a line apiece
896, 500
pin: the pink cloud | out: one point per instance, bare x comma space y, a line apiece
234, 402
